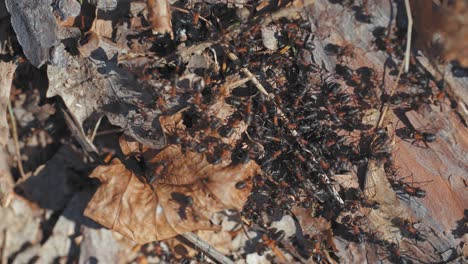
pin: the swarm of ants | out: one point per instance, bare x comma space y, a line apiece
301, 134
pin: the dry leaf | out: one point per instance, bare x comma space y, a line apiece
95, 85
442, 24
160, 16
310, 225
180, 200
7, 70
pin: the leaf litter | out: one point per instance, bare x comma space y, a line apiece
197, 116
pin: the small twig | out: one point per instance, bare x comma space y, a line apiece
408, 35
14, 134
96, 127
385, 106
207, 248
78, 133
404, 66
188, 12
249, 74
238, 83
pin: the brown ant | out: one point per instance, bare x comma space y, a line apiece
408, 229
271, 241
357, 232
407, 188
156, 172
424, 137
396, 255
338, 51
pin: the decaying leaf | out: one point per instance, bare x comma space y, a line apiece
96, 86
181, 199
310, 225
35, 27
7, 70
160, 16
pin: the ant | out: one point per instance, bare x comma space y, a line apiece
357, 232
228, 130
361, 13
338, 51
407, 188
425, 137
396, 255
416, 137
317, 253
408, 229
156, 172
271, 240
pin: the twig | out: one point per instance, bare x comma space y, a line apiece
14, 134
249, 74
408, 35
96, 127
238, 83
405, 64
385, 106
207, 248
79, 135
183, 10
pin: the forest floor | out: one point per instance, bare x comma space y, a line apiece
233, 131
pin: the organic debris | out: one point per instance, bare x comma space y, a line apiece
232, 131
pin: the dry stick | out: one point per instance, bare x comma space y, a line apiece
392, 91
96, 127
282, 116
249, 74
188, 12
14, 134
207, 248
405, 65
408, 35
238, 83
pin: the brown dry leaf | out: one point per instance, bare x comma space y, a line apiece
160, 17
377, 188
444, 23
90, 43
310, 225
181, 200
7, 70
346, 181
220, 109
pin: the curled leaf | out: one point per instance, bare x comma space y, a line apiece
181, 199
